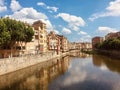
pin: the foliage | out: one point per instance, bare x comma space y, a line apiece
111, 44
12, 31
4, 34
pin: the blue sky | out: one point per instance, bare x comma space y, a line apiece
78, 20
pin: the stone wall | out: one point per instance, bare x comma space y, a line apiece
8, 65
21, 75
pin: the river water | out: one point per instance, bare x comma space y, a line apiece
81, 72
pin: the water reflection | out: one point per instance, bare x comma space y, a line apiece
79, 54
81, 72
106, 63
36, 77
88, 74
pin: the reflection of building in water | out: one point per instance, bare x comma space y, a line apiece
49, 73
7, 81
97, 61
112, 65
36, 77
79, 54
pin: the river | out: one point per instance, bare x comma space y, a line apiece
81, 72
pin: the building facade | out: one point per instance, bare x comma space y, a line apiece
74, 46
96, 40
80, 46
53, 42
63, 43
112, 35
57, 43
86, 45
40, 36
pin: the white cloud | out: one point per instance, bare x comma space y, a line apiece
82, 33
60, 26
74, 22
51, 28
3, 8
85, 38
41, 4
105, 30
52, 9
66, 31
73, 77
1, 2
75, 74
30, 15
56, 31
112, 10
15, 5
49, 25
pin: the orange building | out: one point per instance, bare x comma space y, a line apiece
53, 42
63, 43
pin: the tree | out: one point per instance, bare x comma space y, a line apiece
14, 31
111, 44
4, 35
28, 33
98, 45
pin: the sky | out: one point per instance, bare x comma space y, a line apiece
78, 20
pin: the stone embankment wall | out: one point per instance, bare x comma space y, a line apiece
8, 65
21, 75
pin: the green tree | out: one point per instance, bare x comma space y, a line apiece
4, 35
98, 45
14, 31
111, 44
28, 33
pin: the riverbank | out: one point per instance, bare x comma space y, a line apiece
8, 65
41, 73
110, 53
88, 52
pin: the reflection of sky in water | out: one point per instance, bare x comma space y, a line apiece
74, 73
104, 68
91, 73
83, 75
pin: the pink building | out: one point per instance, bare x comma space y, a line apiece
96, 40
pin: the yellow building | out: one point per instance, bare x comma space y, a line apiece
40, 36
